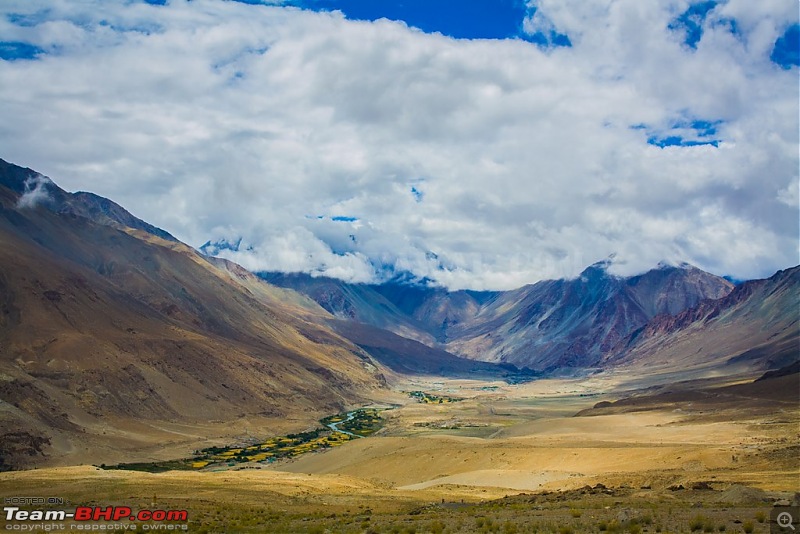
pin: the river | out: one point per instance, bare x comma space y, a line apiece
335, 426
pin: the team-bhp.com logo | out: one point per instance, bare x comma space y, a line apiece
88, 518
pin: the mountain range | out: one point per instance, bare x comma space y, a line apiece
116, 338
594, 321
673, 316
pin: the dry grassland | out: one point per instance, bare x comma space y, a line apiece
507, 458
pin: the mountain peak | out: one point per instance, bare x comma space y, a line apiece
29, 189
666, 265
210, 248
105, 211
598, 270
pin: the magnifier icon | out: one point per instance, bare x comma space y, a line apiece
784, 520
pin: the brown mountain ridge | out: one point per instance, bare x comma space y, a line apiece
115, 338
756, 326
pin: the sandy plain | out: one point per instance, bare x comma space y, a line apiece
506, 458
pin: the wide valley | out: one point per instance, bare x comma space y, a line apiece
472, 456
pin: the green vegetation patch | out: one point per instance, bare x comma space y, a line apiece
363, 422
154, 467
429, 398
353, 425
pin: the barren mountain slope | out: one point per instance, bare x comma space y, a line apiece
573, 323
106, 332
353, 302
754, 327
545, 326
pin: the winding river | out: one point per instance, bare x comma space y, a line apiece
335, 426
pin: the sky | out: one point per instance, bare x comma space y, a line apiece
484, 144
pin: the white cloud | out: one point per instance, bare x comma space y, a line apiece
35, 192
222, 120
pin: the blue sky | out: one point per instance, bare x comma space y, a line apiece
504, 19
476, 19
786, 52
482, 144
11, 50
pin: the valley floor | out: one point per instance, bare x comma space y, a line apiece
507, 458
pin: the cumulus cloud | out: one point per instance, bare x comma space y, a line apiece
362, 149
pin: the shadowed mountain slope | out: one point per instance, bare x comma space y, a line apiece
755, 326
572, 323
776, 390
397, 324
353, 302
408, 356
437, 310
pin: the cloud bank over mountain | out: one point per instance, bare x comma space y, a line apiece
355, 149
